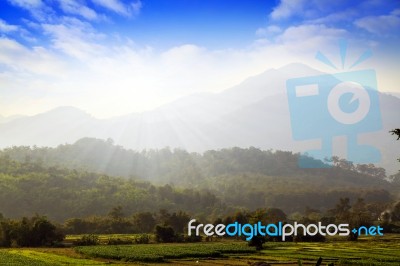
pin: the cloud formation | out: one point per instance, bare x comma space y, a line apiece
287, 9
381, 25
130, 9
76, 8
62, 54
27, 4
5, 27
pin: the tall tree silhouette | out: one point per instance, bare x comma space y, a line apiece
397, 133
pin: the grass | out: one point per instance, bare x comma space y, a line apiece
163, 252
367, 251
30, 257
105, 238
11, 258
354, 253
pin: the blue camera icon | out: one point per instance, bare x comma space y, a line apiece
331, 105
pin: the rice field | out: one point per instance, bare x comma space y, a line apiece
164, 252
366, 251
29, 257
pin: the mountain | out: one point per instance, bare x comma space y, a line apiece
60, 125
6, 119
395, 94
253, 113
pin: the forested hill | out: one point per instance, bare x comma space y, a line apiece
81, 179
59, 193
178, 167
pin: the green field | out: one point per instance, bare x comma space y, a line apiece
340, 253
161, 253
40, 258
366, 251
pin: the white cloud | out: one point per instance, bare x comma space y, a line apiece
325, 11
380, 25
75, 38
123, 77
76, 8
395, 12
131, 9
136, 7
347, 15
38, 9
5, 27
287, 8
296, 35
37, 61
27, 4
272, 29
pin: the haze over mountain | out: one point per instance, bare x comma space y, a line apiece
253, 113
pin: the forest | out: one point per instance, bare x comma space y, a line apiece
93, 176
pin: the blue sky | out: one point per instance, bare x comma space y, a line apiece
136, 55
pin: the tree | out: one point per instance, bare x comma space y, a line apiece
395, 179
165, 234
144, 222
76, 226
5, 233
342, 210
396, 212
270, 215
275, 215
29, 232
116, 213
178, 221
397, 133
371, 170
257, 241
342, 163
44, 232
360, 215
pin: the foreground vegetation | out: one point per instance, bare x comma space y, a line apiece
31, 257
377, 251
384, 251
161, 253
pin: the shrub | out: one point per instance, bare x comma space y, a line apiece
87, 240
29, 232
118, 241
165, 234
193, 238
142, 239
257, 242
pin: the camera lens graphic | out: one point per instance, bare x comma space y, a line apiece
358, 92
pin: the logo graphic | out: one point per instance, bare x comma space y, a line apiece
280, 229
331, 105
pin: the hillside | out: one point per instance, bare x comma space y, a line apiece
80, 180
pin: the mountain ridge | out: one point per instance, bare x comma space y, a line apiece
253, 113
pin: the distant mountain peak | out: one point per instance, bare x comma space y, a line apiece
298, 70
66, 109
6, 119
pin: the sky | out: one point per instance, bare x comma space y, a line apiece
114, 57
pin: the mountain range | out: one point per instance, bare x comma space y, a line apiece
253, 113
